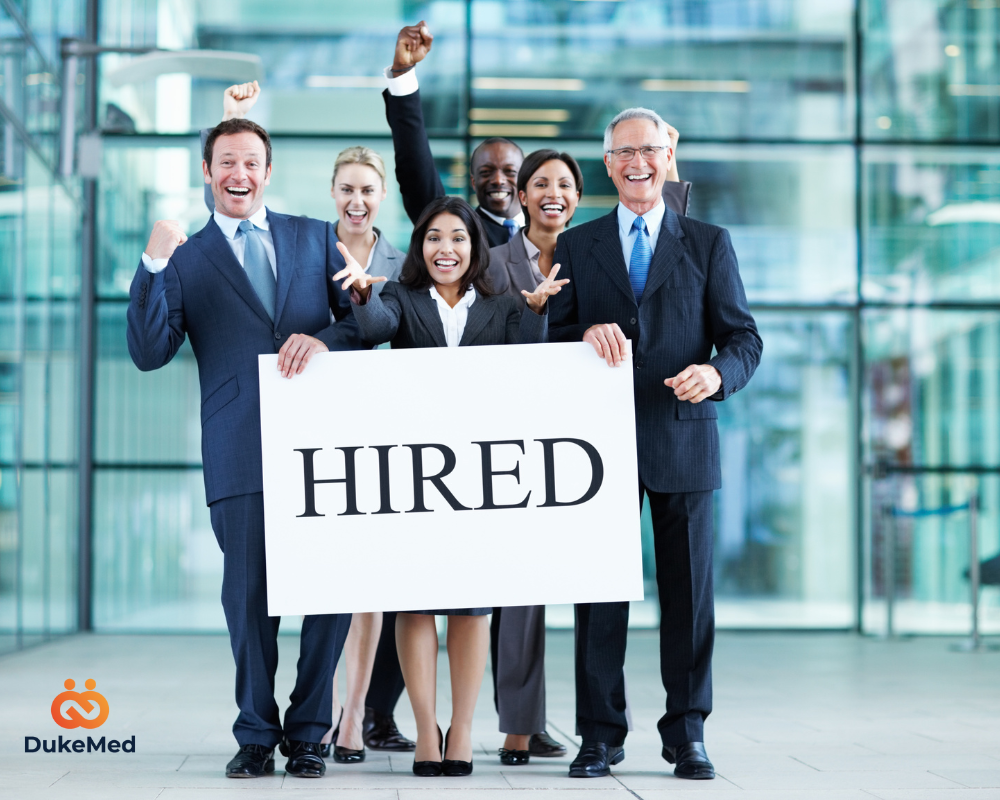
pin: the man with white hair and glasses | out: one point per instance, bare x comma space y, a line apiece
671, 285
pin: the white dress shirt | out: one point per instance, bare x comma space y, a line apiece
454, 319
230, 227
627, 234
518, 220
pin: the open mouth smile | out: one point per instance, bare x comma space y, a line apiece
638, 178
238, 191
499, 195
446, 264
356, 216
553, 209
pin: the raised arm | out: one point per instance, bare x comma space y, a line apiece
155, 315
418, 178
237, 101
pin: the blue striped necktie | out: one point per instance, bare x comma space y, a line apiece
638, 268
258, 267
511, 227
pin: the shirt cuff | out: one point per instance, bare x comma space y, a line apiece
402, 85
154, 265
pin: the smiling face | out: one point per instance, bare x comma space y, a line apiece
358, 192
551, 196
447, 249
494, 178
238, 174
639, 181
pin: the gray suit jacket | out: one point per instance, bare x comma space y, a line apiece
510, 271
387, 261
409, 318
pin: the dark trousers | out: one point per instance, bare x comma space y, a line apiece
682, 538
517, 651
387, 683
238, 523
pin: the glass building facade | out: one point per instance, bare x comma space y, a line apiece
849, 147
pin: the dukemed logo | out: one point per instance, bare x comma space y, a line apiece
71, 709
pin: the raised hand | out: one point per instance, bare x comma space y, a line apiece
674, 135
238, 99
166, 237
547, 288
354, 274
609, 342
412, 46
695, 383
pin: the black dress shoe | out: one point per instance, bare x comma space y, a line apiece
429, 769
514, 758
304, 759
595, 760
544, 746
691, 760
252, 761
345, 755
453, 767
380, 733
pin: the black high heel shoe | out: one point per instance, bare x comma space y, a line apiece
430, 769
452, 767
345, 755
324, 749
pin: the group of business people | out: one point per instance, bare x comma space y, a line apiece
510, 271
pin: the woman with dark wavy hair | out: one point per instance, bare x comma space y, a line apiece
444, 298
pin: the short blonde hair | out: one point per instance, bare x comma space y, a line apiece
359, 155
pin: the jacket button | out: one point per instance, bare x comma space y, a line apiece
632, 321
638, 365
277, 335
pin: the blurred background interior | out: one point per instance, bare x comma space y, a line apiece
850, 148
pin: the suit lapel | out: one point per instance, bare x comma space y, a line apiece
668, 254
608, 252
518, 265
212, 243
284, 235
426, 308
480, 312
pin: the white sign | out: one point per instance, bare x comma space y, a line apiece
400, 480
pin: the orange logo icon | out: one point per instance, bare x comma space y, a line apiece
76, 709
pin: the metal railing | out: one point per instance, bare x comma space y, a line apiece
891, 512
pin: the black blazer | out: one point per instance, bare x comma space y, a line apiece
418, 178
693, 301
409, 318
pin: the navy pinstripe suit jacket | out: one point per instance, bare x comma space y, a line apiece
205, 294
693, 301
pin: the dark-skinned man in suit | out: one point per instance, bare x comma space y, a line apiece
671, 285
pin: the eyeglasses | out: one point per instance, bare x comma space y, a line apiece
649, 152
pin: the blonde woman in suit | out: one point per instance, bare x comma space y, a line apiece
358, 190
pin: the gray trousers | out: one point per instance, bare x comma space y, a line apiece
517, 638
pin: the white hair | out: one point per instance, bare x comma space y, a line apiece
636, 113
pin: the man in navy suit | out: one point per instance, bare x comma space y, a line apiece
250, 282
671, 284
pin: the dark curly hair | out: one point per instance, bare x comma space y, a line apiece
414, 273
230, 126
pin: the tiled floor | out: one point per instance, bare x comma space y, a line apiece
829, 716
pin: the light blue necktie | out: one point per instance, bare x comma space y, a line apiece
511, 227
258, 267
638, 268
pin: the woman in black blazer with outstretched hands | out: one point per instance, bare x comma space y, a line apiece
444, 299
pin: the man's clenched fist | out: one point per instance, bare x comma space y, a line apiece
167, 236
